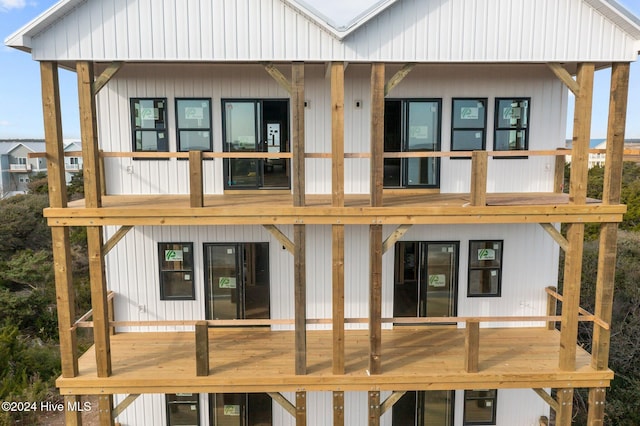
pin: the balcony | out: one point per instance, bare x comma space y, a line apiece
20, 168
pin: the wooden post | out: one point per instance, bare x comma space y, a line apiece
337, 134
65, 295
300, 297
298, 139
338, 408
72, 417
202, 348
374, 408
377, 133
301, 409
99, 305
89, 135
471, 346
375, 299
103, 179
575, 231
105, 408
110, 315
337, 251
552, 307
479, 163
597, 397
558, 174
196, 193
565, 407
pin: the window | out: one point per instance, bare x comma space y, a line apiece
149, 125
485, 268
183, 409
468, 124
22, 160
176, 271
480, 407
424, 408
193, 118
256, 126
512, 124
412, 126
241, 409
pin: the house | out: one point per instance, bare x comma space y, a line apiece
16, 166
298, 219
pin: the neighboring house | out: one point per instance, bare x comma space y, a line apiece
298, 219
72, 160
597, 159
17, 168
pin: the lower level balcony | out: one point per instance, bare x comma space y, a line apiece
261, 360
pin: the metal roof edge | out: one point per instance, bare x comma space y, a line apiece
619, 14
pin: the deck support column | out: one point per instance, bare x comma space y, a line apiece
298, 136
337, 250
597, 397
337, 134
565, 407
196, 193
300, 297
374, 408
575, 231
105, 410
301, 409
471, 346
202, 348
338, 408
479, 164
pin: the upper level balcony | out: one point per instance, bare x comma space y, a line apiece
20, 168
472, 203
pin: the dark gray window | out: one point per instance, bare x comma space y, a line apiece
480, 407
183, 409
149, 124
193, 119
468, 124
485, 268
176, 271
512, 124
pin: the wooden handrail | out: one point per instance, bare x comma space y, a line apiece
583, 312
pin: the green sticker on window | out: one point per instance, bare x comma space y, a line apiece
173, 255
486, 254
232, 410
227, 282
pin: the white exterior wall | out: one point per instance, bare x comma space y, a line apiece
409, 30
515, 407
128, 176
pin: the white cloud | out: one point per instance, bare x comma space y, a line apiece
7, 5
5, 123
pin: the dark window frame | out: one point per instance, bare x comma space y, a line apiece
404, 131
194, 129
157, 130
176, 402
455, 129
494, 403
163, 293
483, 268
519, 128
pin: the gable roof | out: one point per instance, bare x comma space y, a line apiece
370, 30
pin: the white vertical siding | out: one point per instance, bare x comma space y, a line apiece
409, 30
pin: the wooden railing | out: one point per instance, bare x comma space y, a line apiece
472, 327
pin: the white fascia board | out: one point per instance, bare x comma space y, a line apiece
21, 39
619, 15
325, 22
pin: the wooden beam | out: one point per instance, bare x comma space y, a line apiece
398, 77
375, 299
106, 75
337, 251
565, 77
124, 404
111, 313
283, 239
471, 346
338, 408
99, 302
596, 413
547, 398
390, 401
374, 408
558, 174
72, 417
298, 134
564, 413
105, 410
552, 308
283, 402
377, 133
196, 190
202, 348
395, 236
581, 135
89, 135
278, 76
556, 235
337, 134
300, 298
115, 239
478, 192
301, 409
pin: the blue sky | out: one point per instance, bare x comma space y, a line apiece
21, 108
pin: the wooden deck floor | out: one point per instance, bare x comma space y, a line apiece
263, 208
246, 360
